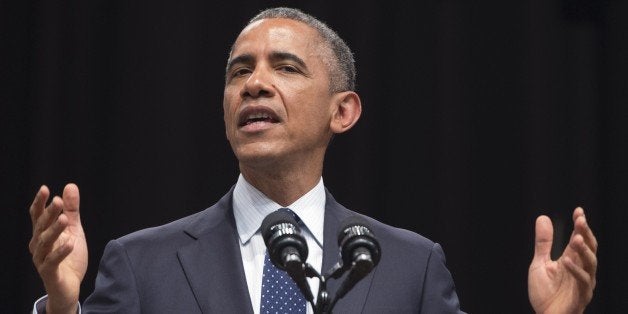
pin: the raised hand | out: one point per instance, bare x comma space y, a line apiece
58, 247
566, 284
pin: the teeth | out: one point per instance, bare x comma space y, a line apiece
258, 116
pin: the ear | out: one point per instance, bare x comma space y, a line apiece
346, 111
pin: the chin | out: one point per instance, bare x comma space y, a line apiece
256, 153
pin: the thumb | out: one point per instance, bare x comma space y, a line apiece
544, 233
71, 202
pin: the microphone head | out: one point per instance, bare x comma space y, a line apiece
358, 244
283, 239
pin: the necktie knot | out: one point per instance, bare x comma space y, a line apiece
291, 212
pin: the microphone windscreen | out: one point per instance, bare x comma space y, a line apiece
274, 220
351, 226
355, 236
283, 239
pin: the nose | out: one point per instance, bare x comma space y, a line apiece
258, 84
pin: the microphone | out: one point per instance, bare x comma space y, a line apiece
360, 252
287, 248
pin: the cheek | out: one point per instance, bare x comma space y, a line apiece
315, 118
228, 98
228, 115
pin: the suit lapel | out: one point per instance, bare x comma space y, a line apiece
213, 263
335, 214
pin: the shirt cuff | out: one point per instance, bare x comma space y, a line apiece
40, 306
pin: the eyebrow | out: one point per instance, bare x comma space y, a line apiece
280, 55
245, 58
274, 56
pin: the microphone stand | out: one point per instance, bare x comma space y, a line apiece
324, 304
322, 296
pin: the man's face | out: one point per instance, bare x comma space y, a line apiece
277, 101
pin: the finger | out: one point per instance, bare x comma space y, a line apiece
583, 277
46, 241
586, 255
53, 259
544, 233
49, 215
581, 227
577, 212
71, 202
39, 202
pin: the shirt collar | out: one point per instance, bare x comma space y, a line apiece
250, 206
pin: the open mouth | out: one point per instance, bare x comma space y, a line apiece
257, 115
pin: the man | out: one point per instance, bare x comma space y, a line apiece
289, 88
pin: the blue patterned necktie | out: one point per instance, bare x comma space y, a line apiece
280, 294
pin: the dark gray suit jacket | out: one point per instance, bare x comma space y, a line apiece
193, 265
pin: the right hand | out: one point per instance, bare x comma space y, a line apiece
58, 247
564, 285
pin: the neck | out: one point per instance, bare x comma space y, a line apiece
283, 186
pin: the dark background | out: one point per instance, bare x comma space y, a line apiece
478, 116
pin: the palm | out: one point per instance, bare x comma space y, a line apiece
72, 269
549, 285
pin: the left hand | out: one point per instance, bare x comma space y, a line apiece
566, 284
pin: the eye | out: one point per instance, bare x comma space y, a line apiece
288, 68
237, 72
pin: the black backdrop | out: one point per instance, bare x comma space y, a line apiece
477, 118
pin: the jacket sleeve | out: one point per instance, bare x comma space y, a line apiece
115, 288
439, 291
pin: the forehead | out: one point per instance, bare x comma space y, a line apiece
277, 34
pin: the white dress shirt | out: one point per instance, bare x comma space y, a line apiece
250, 207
